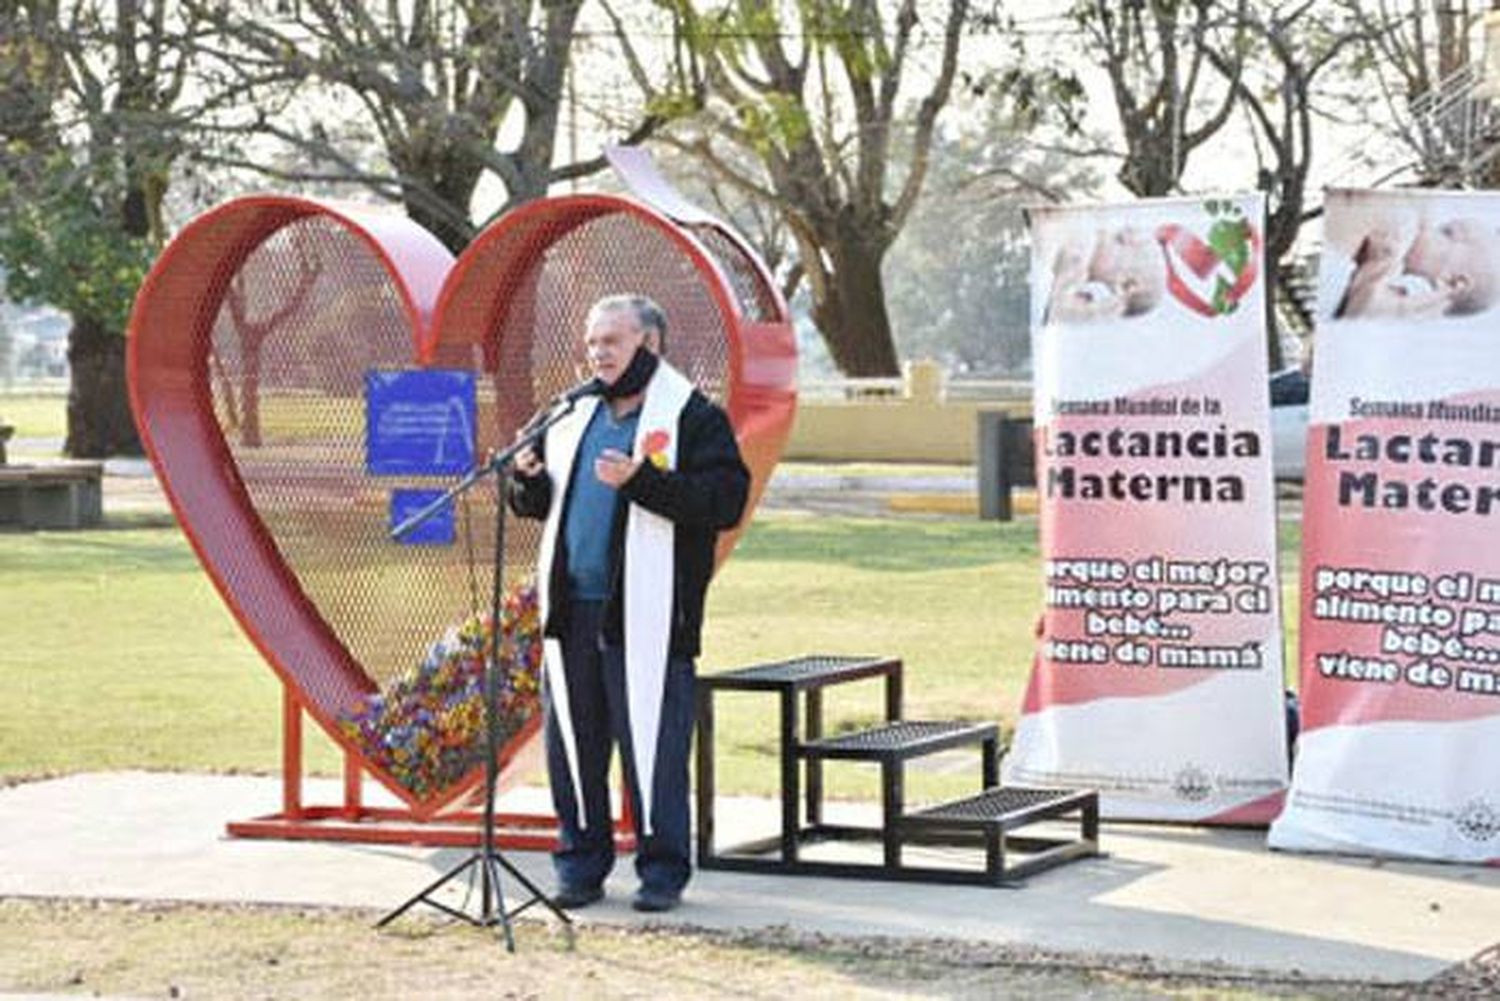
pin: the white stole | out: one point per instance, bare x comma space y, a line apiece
650, 569
562, 443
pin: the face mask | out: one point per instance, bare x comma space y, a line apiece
633, 380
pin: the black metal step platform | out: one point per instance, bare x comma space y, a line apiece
984, 821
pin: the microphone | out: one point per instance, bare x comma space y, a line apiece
593, 387
568, 397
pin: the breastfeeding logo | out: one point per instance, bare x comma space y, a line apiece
1210, 274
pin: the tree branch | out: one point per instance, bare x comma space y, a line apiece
942, 87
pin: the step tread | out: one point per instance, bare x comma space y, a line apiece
814, 667
1002, 802
904, 736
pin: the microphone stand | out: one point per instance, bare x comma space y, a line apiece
487, 859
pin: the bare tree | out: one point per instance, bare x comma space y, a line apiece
968, 238
1158, 55
437, 80
1296, 44
810, 93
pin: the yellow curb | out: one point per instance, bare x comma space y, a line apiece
1021, 501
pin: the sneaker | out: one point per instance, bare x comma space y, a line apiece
570, 898
654, 902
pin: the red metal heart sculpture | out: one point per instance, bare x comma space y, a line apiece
249, 346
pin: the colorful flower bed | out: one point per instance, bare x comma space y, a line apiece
427, 730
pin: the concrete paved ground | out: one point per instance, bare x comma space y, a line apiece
1175, 894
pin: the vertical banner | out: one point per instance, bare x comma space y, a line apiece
1400, 628
1158, 673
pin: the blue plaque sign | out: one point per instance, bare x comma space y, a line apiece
419, 422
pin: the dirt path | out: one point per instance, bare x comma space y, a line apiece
193, 951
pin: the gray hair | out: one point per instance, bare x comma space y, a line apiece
648, 315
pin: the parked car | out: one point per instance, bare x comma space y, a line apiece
1289, 393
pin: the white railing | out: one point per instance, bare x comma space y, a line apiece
989, 389
895, 389
1457, 123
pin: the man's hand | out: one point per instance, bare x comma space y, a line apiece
614, 467
528, 464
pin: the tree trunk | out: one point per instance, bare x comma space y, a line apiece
852, 316
452, 235
1281, 232
1150, 170
1453, 33
1275, 359
250, 347
450, 177
99, 419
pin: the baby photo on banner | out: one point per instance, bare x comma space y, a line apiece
1400, 627
1158, 672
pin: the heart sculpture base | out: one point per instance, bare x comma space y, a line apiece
354, 821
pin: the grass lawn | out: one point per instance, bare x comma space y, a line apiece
118, 652
35, 415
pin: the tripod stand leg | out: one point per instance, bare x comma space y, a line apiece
500, 916
536, 894
425, 895
489, 889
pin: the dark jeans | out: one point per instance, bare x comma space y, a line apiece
597, 704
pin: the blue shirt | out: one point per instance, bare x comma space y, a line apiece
591, 504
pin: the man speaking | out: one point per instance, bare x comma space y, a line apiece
635, 486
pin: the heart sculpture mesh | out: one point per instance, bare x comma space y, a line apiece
250, 346
288, 383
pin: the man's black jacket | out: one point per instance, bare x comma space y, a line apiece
704, 495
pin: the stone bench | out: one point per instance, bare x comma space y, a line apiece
51, 495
